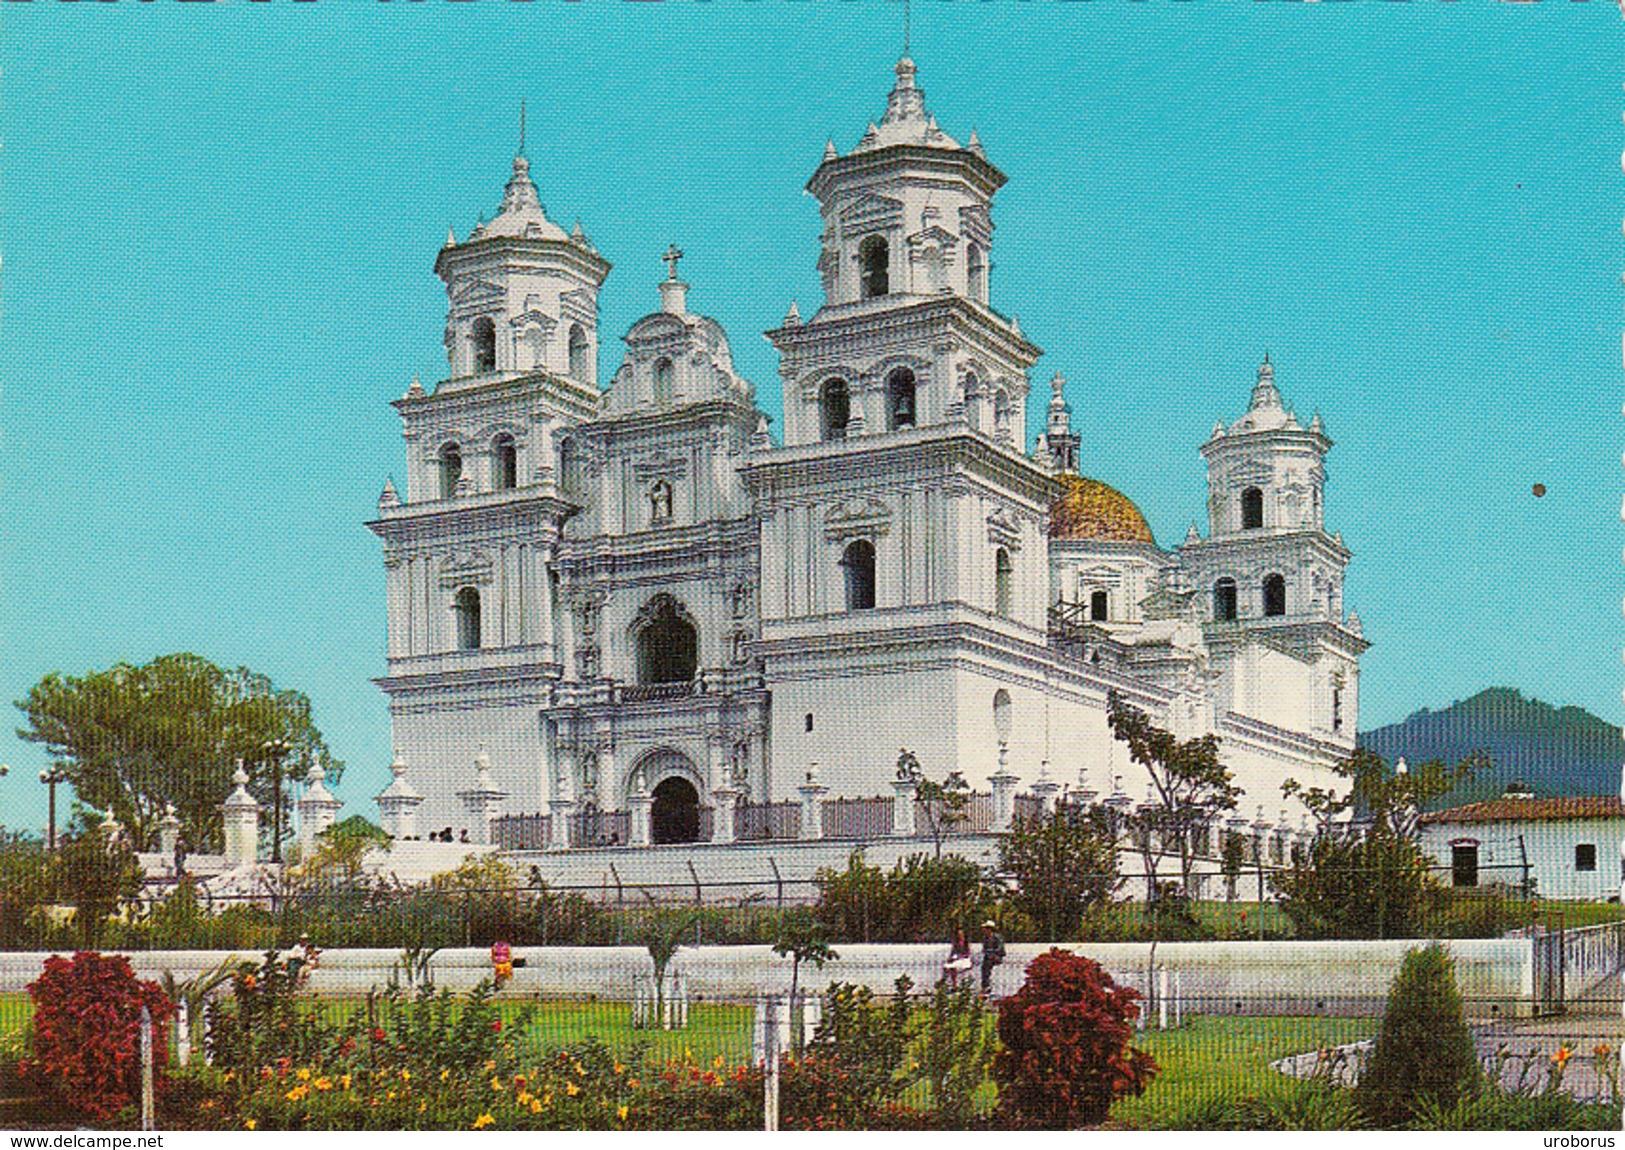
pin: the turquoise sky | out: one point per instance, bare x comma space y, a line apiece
218, 225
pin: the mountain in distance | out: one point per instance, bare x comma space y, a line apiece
1554, 751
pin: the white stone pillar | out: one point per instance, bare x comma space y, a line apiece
482, 800
398, 803
242, 822
1004, 793
317, 809
902, 811
1046, 789
169, 831
640, 801
722, 815
812, 804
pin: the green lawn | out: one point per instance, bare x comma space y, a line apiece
1218, 1056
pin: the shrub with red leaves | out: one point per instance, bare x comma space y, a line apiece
1065, 1056
87, 1033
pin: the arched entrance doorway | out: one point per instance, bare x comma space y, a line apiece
675, 815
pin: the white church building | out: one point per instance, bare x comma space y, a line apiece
617, 590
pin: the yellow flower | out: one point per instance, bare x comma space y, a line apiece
619, 1068
483, 1121
445, 1074
323, 1083
496, 1084
547, 1099
406, 1076
297, 1094
344, 1081
572, 1089
251, 1124
490, 1065
535, 1106
716, 1062
391, 1096
1602, 1050
303, 1074
621, 1113
422, 1106
1560, 1059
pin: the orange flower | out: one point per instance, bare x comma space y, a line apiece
1602, 1050
1561, 1058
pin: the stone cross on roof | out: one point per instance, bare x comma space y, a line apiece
673, 254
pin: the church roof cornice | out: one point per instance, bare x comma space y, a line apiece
901, 313
478, 253
974, 169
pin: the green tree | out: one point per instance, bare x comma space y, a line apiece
1063, 865
1191, 787
947, 804
800, 937
1424, 1052
98, 875
25, 886
1363, 876
133, 739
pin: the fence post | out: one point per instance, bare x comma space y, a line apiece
770, 1093
146, 1070
183, 1033
1162, 996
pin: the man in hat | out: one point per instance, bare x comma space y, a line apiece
992, 953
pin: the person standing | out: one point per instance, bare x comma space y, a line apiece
992, 953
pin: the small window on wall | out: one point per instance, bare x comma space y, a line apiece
1003, 578
1337, 704
578, 353
858, 561
976, 273
1464, 864
665, 391
1585, 856
1252, 509
835, 408
451, 469
809, 722
467, 609
873, 257
504, 464
1274, 595
1099, 606
900, 398
1224, 601
485, 345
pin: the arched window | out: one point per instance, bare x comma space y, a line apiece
1001, 715
874, 257
1224, 601
900, 399
668, 647
859, 563
451, 469
485, 345
1099, 606
1337, 704
973, 401
1001, 413
975, 273
578, 354
1274, 595
504, 463
1001, 582
1252, 509
467, 609
665, 390
836, 409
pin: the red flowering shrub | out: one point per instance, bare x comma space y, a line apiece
87, 1033
1065, 1056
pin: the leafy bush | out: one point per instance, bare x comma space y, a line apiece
1066, 1056
1064, 864
922, 899
953, 1047
1352, 884
853, 1070
25, 887
87, 1025
1424, 1051
261, 1025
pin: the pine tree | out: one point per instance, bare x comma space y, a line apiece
1424, 1050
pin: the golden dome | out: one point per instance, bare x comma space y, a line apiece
1092, 510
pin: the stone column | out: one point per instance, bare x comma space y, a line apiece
481, 800
169, 831
812, 804
902, 811
398, 803
722, 815
640, 801
1046, 788
1004, 792
242, 822
317, 809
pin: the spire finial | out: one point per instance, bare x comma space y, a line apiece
673, 254
521, 125
907, 26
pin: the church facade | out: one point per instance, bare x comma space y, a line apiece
619, 591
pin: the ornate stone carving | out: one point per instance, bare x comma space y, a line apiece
860, 515
465, 567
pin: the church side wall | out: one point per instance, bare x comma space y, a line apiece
440, 741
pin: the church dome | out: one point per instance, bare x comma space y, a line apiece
521, 213
1092, 510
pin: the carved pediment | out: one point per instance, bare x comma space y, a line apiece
975, 222
476, 292
933, 236
872, 213
1168, 603
661, 464
1004, 528
536, 319
1252, 474
860, 515
577, 306
464, 567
